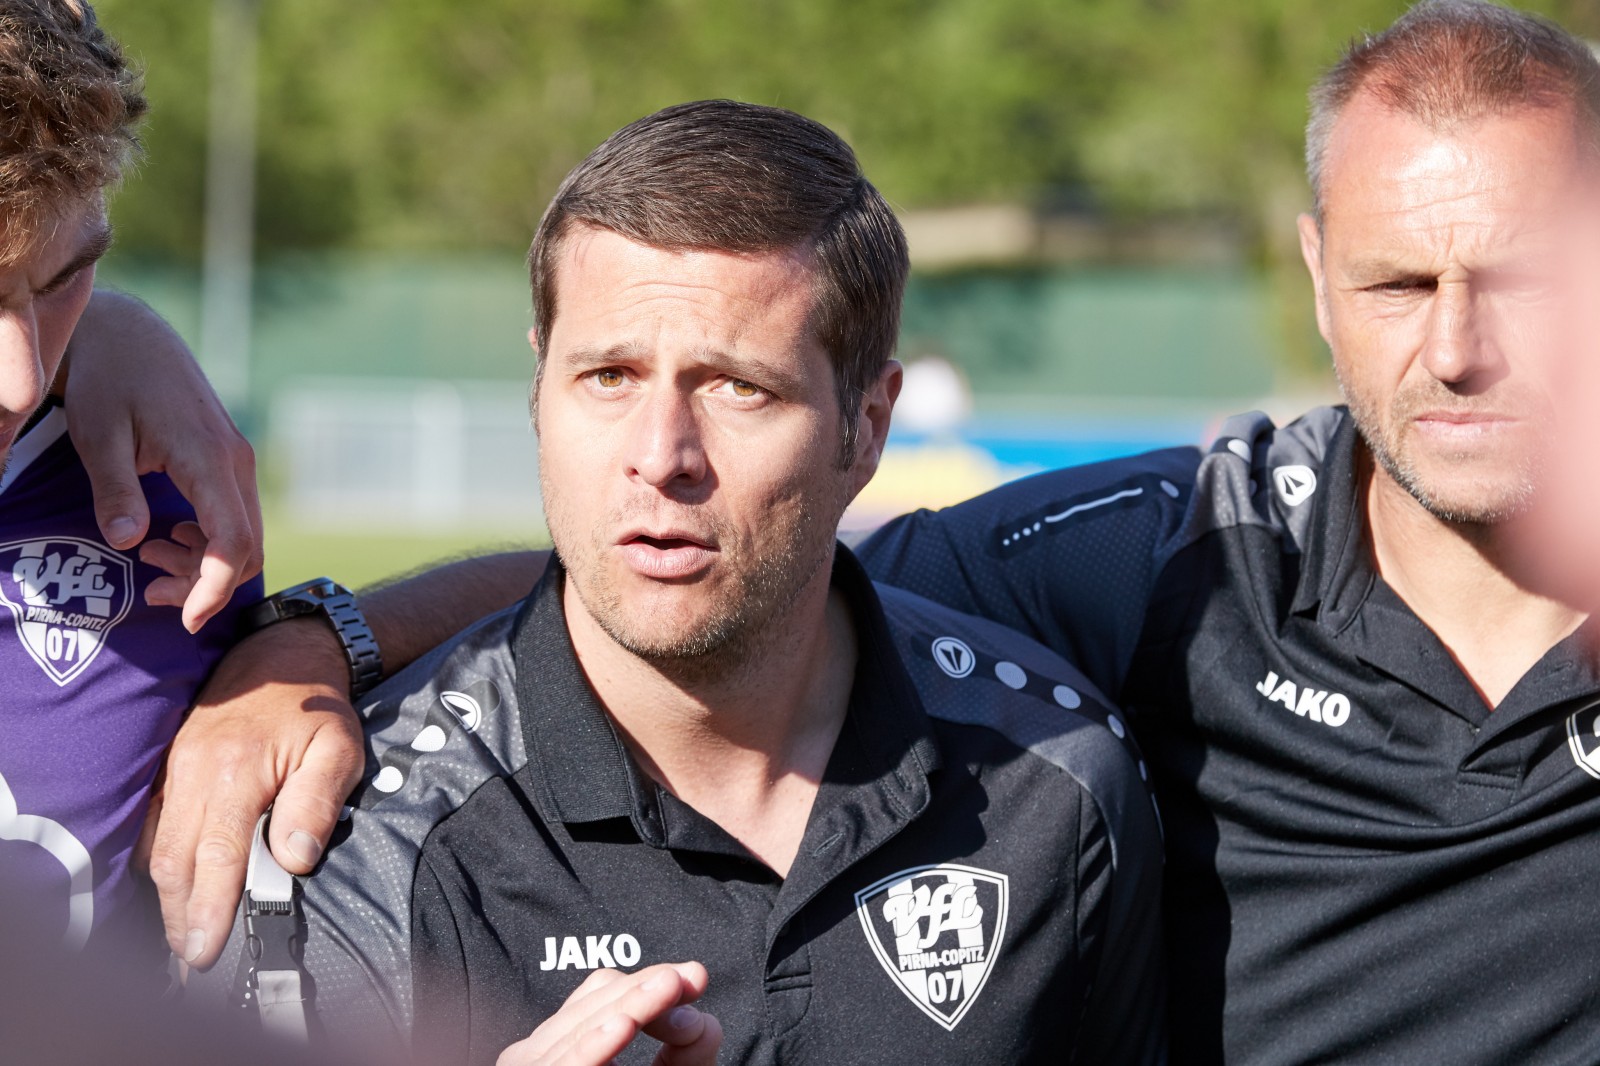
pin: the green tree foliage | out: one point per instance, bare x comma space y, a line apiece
445, 124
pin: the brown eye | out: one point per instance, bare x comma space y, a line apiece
609, 379
744, 388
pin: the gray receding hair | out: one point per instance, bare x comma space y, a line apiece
1451, 62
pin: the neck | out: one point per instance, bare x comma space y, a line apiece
743, 741
1464, 581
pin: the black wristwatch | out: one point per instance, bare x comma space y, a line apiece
337, 605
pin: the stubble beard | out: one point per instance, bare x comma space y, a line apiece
742, 623
1507, 503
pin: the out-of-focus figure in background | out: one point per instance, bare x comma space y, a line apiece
97, 663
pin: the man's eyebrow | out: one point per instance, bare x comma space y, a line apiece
757, 371
93, 249
590, 357
1372, 271
585, 358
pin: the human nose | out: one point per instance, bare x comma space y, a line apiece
1456, 348
22, 380
666, 443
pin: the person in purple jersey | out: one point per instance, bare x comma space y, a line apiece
97, 666
98, 680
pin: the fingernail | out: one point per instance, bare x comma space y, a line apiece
194, 944
123, 529
683, 1017
304, 847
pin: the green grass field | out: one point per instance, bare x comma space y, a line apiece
356, 558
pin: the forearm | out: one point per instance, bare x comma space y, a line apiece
275, 720
416, 612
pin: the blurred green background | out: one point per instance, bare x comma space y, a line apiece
1100, 196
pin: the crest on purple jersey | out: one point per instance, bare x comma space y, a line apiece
65, 596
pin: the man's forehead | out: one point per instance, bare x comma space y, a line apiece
604, 278
1510, 169
595, 249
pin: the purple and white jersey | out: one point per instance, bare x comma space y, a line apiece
96, 683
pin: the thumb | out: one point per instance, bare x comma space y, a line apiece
307, 808
119, 503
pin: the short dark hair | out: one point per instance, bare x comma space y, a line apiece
69, 106
735, 177
1446, 62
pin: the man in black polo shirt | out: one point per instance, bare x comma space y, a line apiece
705, 761
1370, 716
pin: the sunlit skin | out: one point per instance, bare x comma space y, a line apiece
689, 445
41, 299
1434, 291
1437, 290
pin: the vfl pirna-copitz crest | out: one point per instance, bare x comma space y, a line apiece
65, 596
937, 930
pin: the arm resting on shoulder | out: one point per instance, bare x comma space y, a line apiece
275, 725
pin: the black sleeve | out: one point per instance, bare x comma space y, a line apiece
441, 1026
1120, 943
1068, 557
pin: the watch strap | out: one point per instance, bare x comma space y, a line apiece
337, 605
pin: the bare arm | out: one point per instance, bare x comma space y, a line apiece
275, 720
136, 402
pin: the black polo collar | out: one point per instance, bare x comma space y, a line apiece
1341, 588
1336, 572
580, 772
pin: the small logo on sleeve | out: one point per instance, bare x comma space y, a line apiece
937, 931
65, 596
954, 656
1296, 483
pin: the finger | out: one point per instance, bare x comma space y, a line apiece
233, 544
701, 1052
307, 808
221, 855
119, 504
169, 556
188, 534
225, 566
559, 1026
168, 591
683, 1025
152, 817
172, 866
203, 842
594, 1026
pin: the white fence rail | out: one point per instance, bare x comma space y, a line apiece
407, 454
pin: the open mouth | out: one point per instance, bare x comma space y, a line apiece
666, 543
667, 555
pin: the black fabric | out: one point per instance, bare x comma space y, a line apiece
579, 850
1366, 866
